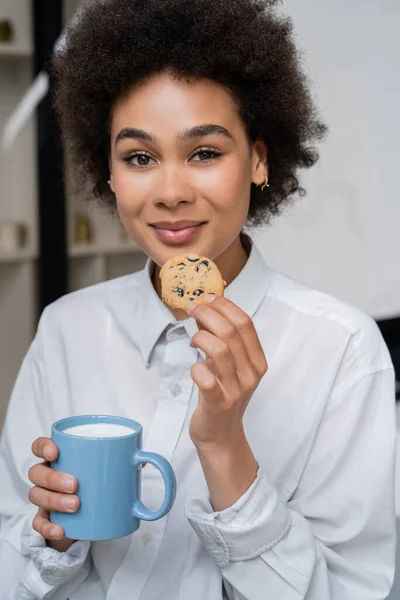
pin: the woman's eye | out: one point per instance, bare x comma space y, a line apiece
206, 155
143, 160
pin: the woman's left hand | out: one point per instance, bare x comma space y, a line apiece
234, 366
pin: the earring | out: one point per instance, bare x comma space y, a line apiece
266, 184
109, 182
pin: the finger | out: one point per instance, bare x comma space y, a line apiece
209, 363
43, 476
207, 383
221, 355
45, 448
244, 325
219, 325
41, 523
53, 500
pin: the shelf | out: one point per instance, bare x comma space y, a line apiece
28, 255
77, 251
18, 256
15, 50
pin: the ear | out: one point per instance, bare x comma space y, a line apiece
259, 162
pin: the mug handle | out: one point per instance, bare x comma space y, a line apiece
139, 509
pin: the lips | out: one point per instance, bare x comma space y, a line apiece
176, 225
179, 232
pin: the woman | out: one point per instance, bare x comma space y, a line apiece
192, 119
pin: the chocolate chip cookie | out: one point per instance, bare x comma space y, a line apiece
188, 278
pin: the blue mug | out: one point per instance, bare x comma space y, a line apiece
104, 454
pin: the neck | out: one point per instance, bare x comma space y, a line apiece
230, 263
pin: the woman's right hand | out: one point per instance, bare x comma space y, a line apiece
53, 491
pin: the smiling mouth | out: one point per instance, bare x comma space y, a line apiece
177, 225
178, 233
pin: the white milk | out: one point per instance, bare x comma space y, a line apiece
99, 430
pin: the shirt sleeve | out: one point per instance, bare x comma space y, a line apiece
28, 568
336, 538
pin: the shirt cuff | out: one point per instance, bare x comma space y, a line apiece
253, 525
48, 567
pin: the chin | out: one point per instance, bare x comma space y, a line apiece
160, 255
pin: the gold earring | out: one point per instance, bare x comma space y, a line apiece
264, 185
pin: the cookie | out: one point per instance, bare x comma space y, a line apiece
188, 278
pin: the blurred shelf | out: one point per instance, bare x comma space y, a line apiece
18, 256
15, 50
77, 251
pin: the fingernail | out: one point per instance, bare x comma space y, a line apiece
48, 454
68, 503
68, 484
191, 307
209, 298
56, 533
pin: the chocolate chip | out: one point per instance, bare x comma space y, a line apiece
200, 266
181, 265
198, 292
180, 292
193, 259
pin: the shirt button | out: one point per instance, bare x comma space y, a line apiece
146, 538
176, 390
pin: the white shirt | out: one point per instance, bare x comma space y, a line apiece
319, 521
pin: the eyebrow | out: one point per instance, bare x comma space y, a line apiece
199, 131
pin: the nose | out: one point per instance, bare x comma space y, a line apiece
173, 189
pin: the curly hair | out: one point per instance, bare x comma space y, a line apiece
244, 45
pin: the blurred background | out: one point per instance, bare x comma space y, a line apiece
342, 238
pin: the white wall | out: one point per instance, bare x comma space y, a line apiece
344, 238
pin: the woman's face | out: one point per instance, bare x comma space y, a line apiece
181, 167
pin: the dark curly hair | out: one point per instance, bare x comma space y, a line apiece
245, 45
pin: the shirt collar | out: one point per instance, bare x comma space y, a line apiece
153, 316
247, 291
